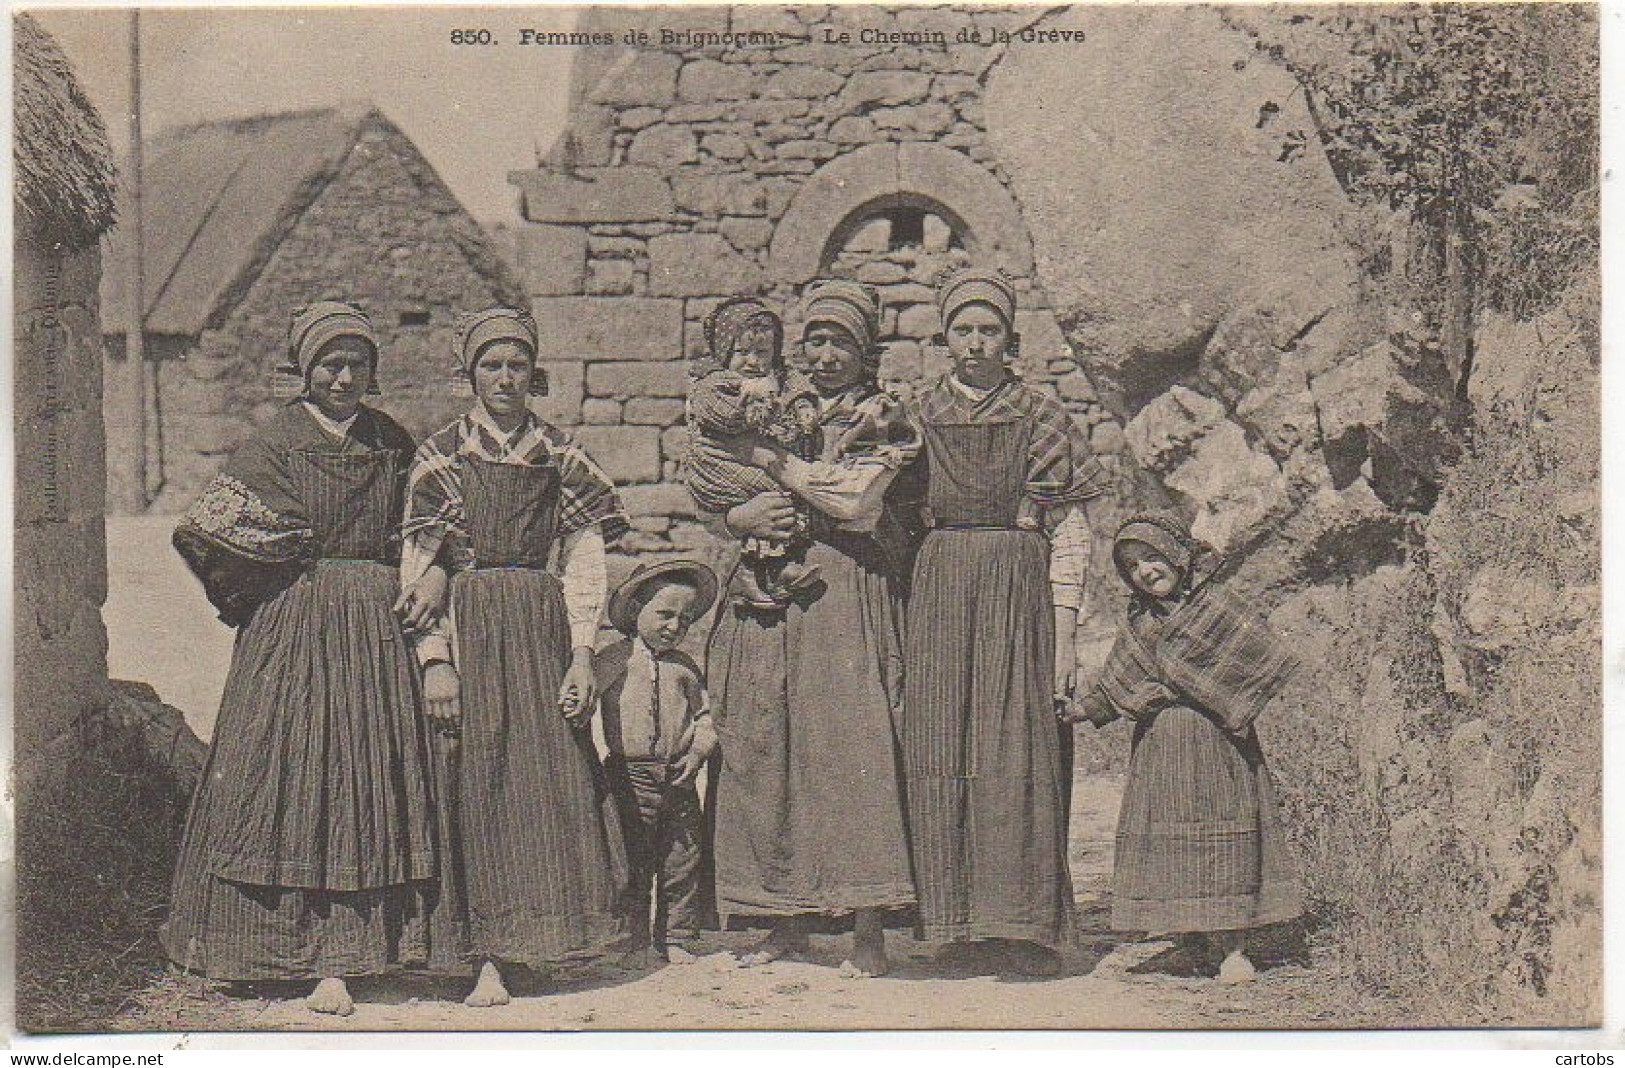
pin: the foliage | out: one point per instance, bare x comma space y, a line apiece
1449, 735
1476, 123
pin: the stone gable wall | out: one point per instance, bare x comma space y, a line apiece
691, 173
374, 236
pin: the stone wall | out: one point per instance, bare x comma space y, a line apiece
61, 558
375, 236
690, 173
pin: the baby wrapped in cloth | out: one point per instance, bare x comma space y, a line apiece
745, 389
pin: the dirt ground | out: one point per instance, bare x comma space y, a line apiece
1097, 991
162, 631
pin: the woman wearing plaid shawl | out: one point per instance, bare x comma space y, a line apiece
809, 805
489, 498
990, 640
1200, 849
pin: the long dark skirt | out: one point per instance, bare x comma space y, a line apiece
544, 860
1200, 845
312, 847
980, 746
809, 807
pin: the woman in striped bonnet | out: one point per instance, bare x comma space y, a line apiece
314, 848
490, 498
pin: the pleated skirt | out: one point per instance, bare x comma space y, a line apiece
544, 860
809, 813
314, 845
980, 746
1200, 845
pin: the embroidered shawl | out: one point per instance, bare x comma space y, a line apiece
1210, 652
249, 534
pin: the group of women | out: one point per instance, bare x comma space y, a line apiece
400, 774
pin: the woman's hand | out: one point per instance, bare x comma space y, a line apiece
700, 747
578, 693
687, 768
422, 601
766, 515
440, 693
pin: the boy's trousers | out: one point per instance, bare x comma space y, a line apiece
663, 827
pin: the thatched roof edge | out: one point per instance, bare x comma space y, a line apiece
64, 167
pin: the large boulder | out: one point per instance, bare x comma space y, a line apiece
1186, 230
1165, 179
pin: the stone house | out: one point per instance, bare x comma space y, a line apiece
63, 201
245, 221
739, 151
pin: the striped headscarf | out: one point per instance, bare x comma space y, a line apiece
852, 307
1166, 534
1210, 650
475, 330
317, 325
976, 285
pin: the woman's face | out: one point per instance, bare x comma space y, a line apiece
755, 352
340, 377
833, 361
502, 374
977, 340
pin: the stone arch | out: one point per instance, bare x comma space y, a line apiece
913, 172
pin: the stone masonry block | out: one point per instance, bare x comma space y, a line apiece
653, 411
638, 78
607, 194
711, 195
889, 87
693, 265
662, 500
627, 380
626, 453
601, 411
610, 328
552, 260
706, 80
664, 145
807, 83
566, 380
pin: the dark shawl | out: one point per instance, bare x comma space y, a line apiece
250, 534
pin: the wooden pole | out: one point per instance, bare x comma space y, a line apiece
134, 492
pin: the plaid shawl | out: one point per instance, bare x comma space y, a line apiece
1211, 652
434, 488
1060, 469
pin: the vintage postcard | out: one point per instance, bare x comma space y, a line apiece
831, 517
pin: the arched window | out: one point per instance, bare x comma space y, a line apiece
897, 224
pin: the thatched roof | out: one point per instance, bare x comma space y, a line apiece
219, 197
64, 170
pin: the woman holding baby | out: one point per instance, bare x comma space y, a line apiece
806, 673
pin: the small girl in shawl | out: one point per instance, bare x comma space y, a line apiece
1200, 848
745, 388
